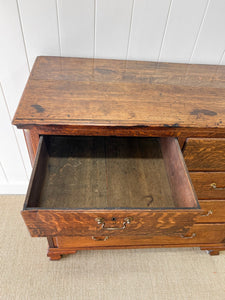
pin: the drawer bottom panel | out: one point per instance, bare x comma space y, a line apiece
199, 234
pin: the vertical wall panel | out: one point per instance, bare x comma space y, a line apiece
211, 42
113, 20
3, 179
39, 24
9, 152
13, 63
168, 30
182, 29
222, 62
147, 28
13, 71
76, 27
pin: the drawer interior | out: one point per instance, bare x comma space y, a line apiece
109, 172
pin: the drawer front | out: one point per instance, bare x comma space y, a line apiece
83, 223
205, 154
209, 185
200, 233
73, 192
214, 211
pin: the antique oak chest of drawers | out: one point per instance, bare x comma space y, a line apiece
125, 154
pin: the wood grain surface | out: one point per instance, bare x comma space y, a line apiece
212, 249
205, 154
110, 172
105, 172
202, 182
181, 187
203, 233
214, 211
32, 141
85, 173
47, 222
98, 92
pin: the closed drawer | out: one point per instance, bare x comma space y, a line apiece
214, 211
209, 185
199, 234
108, 185
206, 154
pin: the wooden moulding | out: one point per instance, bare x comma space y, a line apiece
125, 130
212, 249
66, 220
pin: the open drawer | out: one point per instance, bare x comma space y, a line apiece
82, 186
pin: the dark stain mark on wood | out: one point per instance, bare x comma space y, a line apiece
38, 107
141, 126
173, 125
204, 112
149, 199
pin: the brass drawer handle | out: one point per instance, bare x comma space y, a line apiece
188, 237
101, 221
213, 185
210, 212
99, 239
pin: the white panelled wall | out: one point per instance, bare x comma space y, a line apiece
186, 31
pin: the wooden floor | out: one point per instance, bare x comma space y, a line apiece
105, 172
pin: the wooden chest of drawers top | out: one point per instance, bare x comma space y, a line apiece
98, 96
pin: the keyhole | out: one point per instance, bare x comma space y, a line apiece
113, 219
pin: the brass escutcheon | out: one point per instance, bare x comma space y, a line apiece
188, 237
213, 185
100, 239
